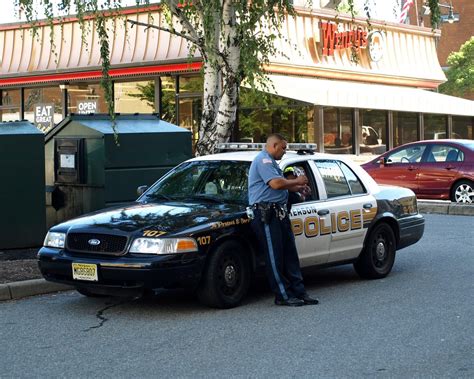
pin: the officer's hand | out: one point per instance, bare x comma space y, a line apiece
301, 180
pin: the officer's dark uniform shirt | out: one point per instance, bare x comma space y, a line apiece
263, 169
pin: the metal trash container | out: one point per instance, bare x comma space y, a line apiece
22, 182
86, 170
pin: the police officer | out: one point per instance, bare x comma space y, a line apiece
268, 195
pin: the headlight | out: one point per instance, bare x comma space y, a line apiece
163, 245
54, 239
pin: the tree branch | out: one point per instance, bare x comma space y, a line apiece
187, 37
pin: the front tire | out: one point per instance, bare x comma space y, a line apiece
377, 258
226, 278
463, 192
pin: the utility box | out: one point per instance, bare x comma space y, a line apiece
90, 167
22, 183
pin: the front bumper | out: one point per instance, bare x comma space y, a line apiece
411, 230
123, 275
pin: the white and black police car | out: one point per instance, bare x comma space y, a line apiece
191, 229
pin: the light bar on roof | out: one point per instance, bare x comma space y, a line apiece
243, 146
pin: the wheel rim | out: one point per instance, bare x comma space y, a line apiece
464, 194
381, 250
230, 275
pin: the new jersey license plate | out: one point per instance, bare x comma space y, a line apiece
84, 271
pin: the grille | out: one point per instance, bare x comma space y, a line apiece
109, 244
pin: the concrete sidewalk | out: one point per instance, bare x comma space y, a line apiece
445, 207
25, 288
18, 290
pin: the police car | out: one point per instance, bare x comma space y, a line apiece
192, 229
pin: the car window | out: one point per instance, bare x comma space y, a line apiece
218, 180
444, 153
302, 168
355, 184
410, 154
333, 178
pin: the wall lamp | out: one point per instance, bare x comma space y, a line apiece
450, 17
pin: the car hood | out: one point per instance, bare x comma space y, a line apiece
166, 217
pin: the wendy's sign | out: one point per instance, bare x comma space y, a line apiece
336, 40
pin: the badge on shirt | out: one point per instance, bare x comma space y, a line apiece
266, 160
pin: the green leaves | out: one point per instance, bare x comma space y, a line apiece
461, 71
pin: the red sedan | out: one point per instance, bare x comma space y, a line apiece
434, 169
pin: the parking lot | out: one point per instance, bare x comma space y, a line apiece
415, 323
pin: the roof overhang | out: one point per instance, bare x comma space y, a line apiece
368, 96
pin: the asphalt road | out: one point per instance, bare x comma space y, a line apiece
418, 322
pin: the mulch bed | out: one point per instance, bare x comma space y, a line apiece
18, 264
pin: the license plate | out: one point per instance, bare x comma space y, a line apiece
84, 271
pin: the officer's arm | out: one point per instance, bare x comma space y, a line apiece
292, 185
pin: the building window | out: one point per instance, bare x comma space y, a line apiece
463, 127
10, 105
373, 131
261, 114
134, 97
338, 138
86, 98
435, 126
43, 99
405, 128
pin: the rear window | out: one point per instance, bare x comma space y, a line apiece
339, 179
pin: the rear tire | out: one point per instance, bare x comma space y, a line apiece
226, 278
377, 258
463, 192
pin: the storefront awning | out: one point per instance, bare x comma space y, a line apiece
368, 96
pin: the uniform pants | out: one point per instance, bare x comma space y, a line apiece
281, 258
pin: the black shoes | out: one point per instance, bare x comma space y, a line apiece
290, 302
308, 300
298, 301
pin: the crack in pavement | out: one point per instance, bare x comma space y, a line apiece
100, 313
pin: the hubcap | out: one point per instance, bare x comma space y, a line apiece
464, 194
380, 251
230, 275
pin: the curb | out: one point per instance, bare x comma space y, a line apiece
19, 290
445, 207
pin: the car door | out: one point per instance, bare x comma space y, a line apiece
438, 170
401, 167
312, 246
348, 208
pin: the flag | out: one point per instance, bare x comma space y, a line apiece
405, 9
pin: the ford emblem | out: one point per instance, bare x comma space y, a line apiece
94, 242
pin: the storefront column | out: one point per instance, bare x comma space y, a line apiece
64, 103
176, 96
318, 120
421, 127
22, 103
449, 125
389, 132
356, 132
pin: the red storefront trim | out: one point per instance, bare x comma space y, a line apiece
97, 74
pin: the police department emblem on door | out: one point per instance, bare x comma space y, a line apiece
94, 242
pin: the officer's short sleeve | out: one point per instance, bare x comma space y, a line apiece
267, 170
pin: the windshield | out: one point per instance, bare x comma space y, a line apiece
214, 181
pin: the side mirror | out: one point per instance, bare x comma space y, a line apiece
141, 190
382, 161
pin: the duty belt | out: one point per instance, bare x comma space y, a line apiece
266, 210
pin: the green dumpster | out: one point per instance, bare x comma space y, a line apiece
22, 183
86, 170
